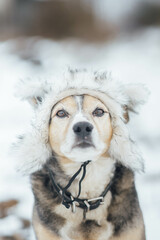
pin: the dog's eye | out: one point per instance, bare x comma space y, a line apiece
98, 112
62, 114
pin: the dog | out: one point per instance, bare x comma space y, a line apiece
81, 159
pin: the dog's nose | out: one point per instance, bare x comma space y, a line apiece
82, 129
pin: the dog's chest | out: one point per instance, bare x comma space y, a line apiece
89, 231
94, 227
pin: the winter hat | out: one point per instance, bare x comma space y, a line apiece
33, 148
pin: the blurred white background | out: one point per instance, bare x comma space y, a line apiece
119, 36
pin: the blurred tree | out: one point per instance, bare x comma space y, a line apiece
148, 14
53, 19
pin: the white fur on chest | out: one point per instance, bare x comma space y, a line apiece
70, 233
97, 177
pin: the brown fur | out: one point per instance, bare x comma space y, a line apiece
132, 234
42, 233
126, 114
136, 233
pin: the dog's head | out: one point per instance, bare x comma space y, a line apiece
80, 116
80, 128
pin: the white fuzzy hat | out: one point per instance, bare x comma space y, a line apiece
33, 149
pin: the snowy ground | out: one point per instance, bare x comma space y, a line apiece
131, 59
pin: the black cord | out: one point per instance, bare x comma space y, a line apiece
66, 196
65, 200
68, 199
74, 176
83, 176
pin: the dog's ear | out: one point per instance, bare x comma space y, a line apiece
137, 94
32, 90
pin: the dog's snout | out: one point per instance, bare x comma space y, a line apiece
83, 129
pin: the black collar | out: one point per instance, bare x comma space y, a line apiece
69, 201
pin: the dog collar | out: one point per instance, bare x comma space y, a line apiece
69, 201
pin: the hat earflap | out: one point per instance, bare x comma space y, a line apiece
33, 91
123, 149
136, 95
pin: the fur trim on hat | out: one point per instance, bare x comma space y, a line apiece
33, 149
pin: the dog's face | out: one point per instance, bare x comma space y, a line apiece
80, 128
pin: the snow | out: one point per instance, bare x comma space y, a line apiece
133, 58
